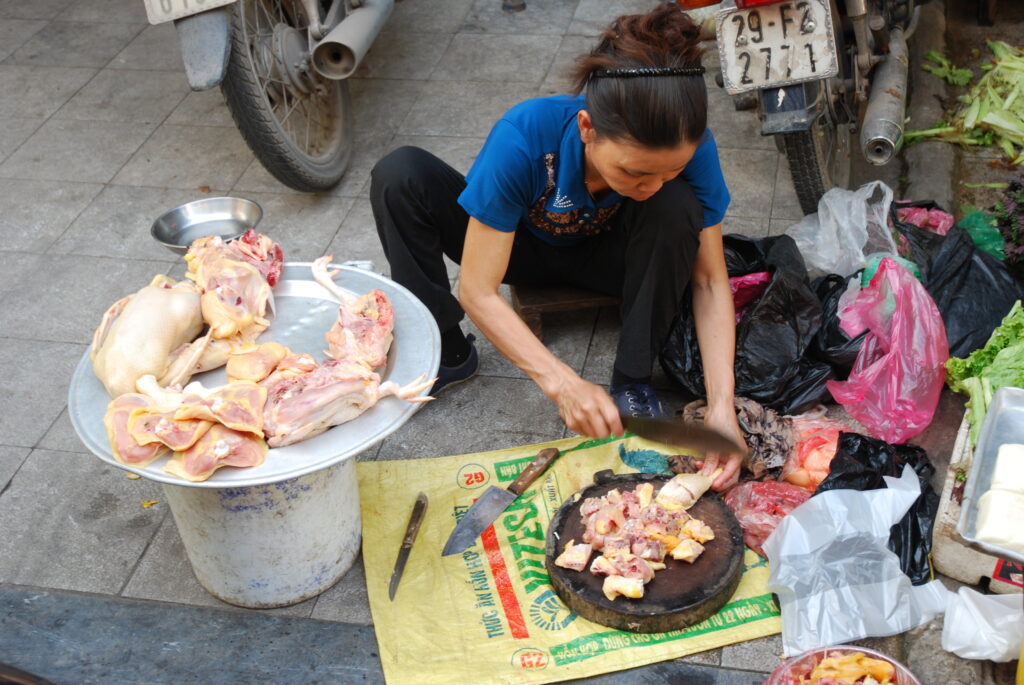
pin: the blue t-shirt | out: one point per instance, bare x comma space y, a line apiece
530, 174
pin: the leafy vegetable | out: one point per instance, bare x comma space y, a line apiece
1009, 213
992, 111
946, 69
998, 364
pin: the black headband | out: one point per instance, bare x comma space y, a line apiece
647, 71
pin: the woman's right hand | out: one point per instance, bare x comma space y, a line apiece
586, 408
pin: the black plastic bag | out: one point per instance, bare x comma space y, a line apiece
772, 337
831, 344
860, 463
972, 289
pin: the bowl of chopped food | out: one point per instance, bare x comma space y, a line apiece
226, 217
842, 665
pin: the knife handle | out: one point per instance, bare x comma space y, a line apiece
533, 471
415, 519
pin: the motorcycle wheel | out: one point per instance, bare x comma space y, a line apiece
819, 159
297, 123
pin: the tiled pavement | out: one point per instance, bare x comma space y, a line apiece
99, 134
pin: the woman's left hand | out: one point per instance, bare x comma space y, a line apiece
722, 418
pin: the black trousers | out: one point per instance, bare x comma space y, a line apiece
646, 259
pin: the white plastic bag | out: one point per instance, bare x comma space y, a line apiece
835, 577
848, 225
981, 626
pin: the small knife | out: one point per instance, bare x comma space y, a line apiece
679, 433
493, 502
418, 510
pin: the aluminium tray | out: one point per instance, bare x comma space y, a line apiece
1003, 424
305, 311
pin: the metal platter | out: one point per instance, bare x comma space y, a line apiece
680, 595
305, 311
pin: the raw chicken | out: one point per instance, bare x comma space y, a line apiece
235, 294
238, 405
140, 333
122, 446
257, 363
574, 557
150, 425
364, 330
261, 252
301, 405
683, 491
687, 550
619, 585
220, 446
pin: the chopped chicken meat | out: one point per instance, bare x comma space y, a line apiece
149, 425
220, 446
687, 550
695, 529
574, 557
364, 330
122, 446
140, 333
614, 586
683, 491
256, 363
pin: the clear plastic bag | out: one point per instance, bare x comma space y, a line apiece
895, 382
981, 626
834, 575
760, 506
816, 442
848, 225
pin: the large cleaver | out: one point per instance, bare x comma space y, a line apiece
679, 433
493, 502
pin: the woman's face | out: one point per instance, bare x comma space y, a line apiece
628, 168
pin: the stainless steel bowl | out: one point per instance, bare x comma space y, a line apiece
227, 217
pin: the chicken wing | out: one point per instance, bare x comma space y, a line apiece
365, 327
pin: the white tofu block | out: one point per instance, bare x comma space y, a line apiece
1008, 473
1000, 513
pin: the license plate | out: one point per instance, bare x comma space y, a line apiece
776, 45
160, 11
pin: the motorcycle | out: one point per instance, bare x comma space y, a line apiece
818, 72
281, 65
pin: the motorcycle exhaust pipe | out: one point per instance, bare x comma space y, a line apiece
339, 53
882, 132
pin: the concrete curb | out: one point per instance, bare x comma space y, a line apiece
931, 166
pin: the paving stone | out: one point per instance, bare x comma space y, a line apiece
113, 11
558, 79
593, 16
155, 48
127, 96
677, 672
74, 292
601, 354
33, 385
382, 104
117, 223
201, 108
303, 224
61, 436
551, 17
750, 227
98, 635
164, 573
14, 132
453, 108
87, 151
11, 459
15, 32
370, 146
36, 213
458, 152
76, 509
750, 177
37, 92
500, 58
732, 128
37, 9
762, 654
13, 267
780, 226
347, 601
784, 202
428, 16
451, 424
926, 659
76, 43
403, 55
356, 239
187, 157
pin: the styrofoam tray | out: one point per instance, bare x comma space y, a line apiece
305, 311
1004, 424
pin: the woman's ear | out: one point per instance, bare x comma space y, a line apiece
587, 132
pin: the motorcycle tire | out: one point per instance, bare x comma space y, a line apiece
264, 91
819, 160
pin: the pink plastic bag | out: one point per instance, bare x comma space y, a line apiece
934, 220
759, 507
746, 289
816, 442
895, 382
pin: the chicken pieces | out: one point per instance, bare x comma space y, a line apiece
140, 334
635, 531
364, 330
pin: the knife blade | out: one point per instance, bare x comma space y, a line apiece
415, 518
493, 502
679, 433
